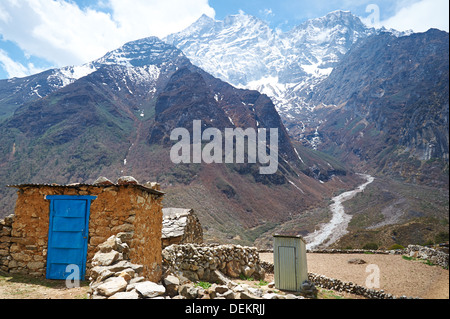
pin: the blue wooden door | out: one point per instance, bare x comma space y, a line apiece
68, 236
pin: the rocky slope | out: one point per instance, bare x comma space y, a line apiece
385, 79
113, 117
388, 106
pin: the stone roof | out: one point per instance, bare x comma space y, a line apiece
174, 221
151, 188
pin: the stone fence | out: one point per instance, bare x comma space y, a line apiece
347, 251
198, 262
436, 257
349, 287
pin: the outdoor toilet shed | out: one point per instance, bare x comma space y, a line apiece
56, 226
290, 265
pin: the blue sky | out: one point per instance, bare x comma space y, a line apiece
36, 35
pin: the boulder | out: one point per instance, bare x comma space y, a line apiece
103, 181
125, 295
105, 259
148, 289
189, 292
247, 295
171, 283
127, 180
112, 286
356, 261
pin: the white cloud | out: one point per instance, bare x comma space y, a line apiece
420, 16
267, 13
155, 17
16, 69
62, 33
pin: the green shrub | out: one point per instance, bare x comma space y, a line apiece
370, 246
429, 242
262, 283
244, 277
204, 285
442, 237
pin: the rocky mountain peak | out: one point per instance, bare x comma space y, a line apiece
147, 51
336, 28
246, 52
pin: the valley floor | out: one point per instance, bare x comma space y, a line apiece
397, 275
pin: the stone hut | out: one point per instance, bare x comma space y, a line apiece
181, 226
56, 226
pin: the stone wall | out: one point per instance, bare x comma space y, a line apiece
5, 242
355, 251
118, 208
113, 276
436, 257
198, 262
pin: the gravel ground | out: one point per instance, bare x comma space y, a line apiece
397, 276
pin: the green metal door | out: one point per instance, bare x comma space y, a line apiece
287, 269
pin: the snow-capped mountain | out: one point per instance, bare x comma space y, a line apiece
246, 52
139, 61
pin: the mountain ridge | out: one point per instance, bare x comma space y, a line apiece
393, 93
282, 65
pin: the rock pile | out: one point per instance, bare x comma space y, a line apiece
198, 262
114, 277
227, 289
436, 257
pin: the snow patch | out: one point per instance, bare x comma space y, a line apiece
299, 157
68, 75
292, 183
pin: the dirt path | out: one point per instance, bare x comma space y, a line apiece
23, 287
397, 276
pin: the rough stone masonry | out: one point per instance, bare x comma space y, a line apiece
124, 206
198, 262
